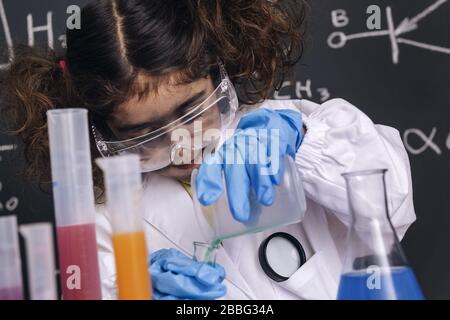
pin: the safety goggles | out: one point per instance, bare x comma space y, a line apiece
181, 140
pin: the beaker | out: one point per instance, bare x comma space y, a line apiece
124, 203
204, 252
73, 196
288, 207
375, 267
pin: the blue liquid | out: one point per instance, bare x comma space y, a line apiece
396, 283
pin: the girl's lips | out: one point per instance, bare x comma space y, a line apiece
186, 166
191, 165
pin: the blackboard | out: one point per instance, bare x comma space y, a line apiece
398, 75
409, 92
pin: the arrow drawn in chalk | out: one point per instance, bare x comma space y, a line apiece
425, 46
408, 24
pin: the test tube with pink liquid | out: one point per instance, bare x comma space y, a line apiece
40, 260
73, 197
11, 287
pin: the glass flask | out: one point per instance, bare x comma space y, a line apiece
289, 207
375, 267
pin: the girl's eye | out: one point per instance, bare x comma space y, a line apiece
193, 107
141, 132
130, 134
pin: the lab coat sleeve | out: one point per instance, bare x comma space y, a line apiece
105, 255
340, 138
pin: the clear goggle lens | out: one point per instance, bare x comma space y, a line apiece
180, 141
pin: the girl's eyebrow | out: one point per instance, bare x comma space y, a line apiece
182, 106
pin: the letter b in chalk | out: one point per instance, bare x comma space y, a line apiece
339, 18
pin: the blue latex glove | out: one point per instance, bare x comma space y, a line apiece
245, 173
177, 276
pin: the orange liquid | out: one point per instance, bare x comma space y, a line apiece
132, 269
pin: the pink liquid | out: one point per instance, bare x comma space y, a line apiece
15, 293
78, 261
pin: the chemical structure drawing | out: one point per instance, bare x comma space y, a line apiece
12, 202
32, 28
302, 89
395, 34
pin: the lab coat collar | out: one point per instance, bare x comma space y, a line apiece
170, 210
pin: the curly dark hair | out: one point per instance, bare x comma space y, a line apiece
122, 42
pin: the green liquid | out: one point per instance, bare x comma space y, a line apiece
211, 249
216, 242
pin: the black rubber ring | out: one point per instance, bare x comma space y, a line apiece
262, 254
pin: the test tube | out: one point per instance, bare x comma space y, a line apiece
124, 203
11, 287
40, 260
74, 203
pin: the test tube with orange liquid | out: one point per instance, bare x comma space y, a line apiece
124, 204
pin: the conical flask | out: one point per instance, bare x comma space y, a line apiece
375, 267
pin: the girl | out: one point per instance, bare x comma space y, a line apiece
141, 67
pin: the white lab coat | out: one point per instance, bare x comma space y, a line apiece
339, 138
